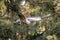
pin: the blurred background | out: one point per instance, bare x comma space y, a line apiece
47, 28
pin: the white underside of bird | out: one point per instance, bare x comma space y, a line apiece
33, 19
30, 19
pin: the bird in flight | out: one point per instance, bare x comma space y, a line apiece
34, 19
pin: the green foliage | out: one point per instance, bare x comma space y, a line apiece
18, 31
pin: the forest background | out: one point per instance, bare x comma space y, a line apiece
47, 28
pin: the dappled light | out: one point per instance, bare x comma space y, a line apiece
29, 19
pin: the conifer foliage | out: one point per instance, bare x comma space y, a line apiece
29, 19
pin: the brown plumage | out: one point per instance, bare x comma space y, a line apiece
13, 6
